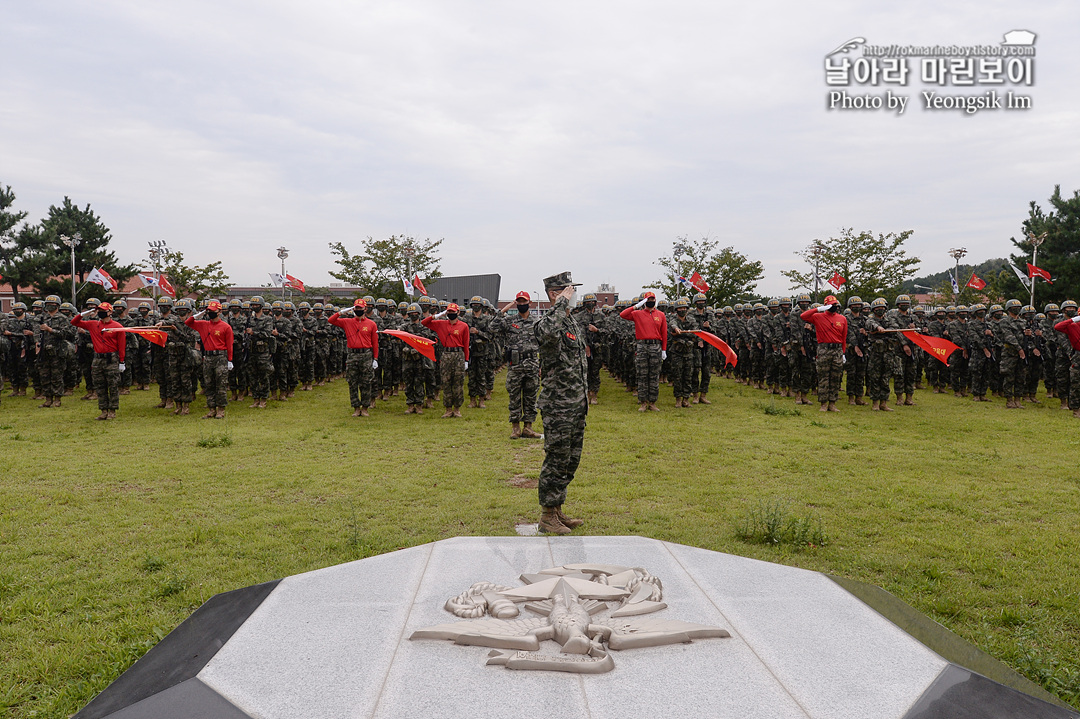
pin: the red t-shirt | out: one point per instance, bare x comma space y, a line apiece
360, 332
450, 335
1071, 330
648, 324
216, 334
104, 342
831, 326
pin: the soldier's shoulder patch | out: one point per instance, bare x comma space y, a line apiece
571, 335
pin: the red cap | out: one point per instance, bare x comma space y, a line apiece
649, 294
213, 305
105, 306
359, 302
830, 300
523, 295
452, 307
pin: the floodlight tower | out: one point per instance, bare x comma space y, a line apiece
283, 253
72, 242
1035, 243
956, 253
157, 249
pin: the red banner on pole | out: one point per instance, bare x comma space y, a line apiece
422, 345
158, 337
936, 347
732, 358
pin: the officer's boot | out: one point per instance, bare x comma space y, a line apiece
703, 398
457, 410
170, 404
448, 413
364, 412
515, 430
851, 399
417, 409
568, 522
528, 432
884, 407
860, 401
46, 403
112, 414
874, 405
696, 398
653, 407
833, 407
480, 404
220, 414
908, 400
550, 522
644, 407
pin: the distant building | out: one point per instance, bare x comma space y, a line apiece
463, 287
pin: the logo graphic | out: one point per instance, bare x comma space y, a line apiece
848, 46
571, 604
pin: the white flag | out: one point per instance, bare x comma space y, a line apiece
275, 279
955, 287
147, 280
408, 287
1024, 279
100, 277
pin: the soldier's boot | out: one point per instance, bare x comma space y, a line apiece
429, 403
254, 404
568, 522
875, 405
859, 401
487, 396
46, 403
956, 393
851, 399
824, 407
457, 410
1064, 402
112, 414
220, 413
833, 407
356, 412
70, 392
908, 400
472, 402
653, 407
528, 432
169, 404
515, 430
448, 413
480, 404
104, 414
919, 385
364, 412
703, 398
56, 401
979, 398
125, 390
185, 408
211, 412
89, 395
417, 409
550, 522
884, 407
1076, 413
644, 407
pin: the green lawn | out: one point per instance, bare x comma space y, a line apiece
112, 533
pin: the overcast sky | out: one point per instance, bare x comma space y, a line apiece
533, 137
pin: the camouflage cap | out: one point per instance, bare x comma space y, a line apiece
559, 281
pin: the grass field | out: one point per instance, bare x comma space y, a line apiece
112, 533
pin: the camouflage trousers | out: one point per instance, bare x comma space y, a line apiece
564, 434
431, 378
757, 363
105, 375
306, 366
260, 369
594, 368
978, 365
1034, 373
19, 366
681, 374
878, 373
1012, 373
523, 384
360, 375
958, 371
647, 371
51, 363
856, 374
830, 370
478, 361
412, 373
452, 370
702, 373
178, 367
1063, 368
903, 373
1074, 381
215, 372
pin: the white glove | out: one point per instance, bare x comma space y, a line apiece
122, 367
466, 364
663, 354
844, 358
1076, 319
441, 314
824, 308
641, 304
374, 364
230, 366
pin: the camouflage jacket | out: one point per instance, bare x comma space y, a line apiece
564, 368
518, 335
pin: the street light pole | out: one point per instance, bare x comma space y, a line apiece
72, 242
956, 254
818, 248
1035, 243
157, 248
282, 253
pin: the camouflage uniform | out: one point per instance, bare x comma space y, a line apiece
306, 366
181, 351
413, 364
523, 372
52, 358
322, 345
704, 319
956, 332
261, 354
479, 354
20, 350
979, 346
856, 364
683, 355
903, 355
1011, 331
878, 365
1064, 361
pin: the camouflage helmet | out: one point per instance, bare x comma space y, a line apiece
589, 297
1013, 305
682, 303
234, 302
424, 301
774, 304
256, 300
951, 309
304, 305
1068, 305
737, 307
144, 305
700, 297
758, 307
902, 300
1040, 316
317, 306
1027, 310
919, 310
996, 308
729, 310
803, 298
245, 305
879, 304
120, 305
68, 307
289, 306
52, 300
277, 305
414, 307
92, 302
854, 300
962, 309
403, 306
978, 307
1051, 307
369, 300
476, 300
785, 301
19, 306
165, 301
37, 304
184, 304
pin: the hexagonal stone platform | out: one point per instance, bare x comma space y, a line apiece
334, 644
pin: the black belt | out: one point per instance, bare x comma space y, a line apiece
107, 354
453, 349
211, 353
358, 350
830, 344
650, 342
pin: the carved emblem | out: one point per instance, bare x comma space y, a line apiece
571, 608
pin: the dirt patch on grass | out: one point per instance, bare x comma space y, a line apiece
522, 481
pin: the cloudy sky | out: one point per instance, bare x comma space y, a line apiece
533, 137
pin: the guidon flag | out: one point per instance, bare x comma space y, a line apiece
1034, 272
422, 345
153, 334
937, 347
725, 349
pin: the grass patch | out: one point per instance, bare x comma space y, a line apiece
778, 410
112, 533
223, 440
772, 522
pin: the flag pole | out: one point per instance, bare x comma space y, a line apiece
1035, 242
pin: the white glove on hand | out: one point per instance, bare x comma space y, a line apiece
122, 368
374, 364
641, 304
230, 366
823, 308
844, 358
663, 354
441, 314
1076, 319
466, 364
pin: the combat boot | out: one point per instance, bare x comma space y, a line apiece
90, 394
480, 404
356, 412
220, 414
550, 522
417, 409
568, 522
46, 403
908, 401
125, 390
703, 398
169, 404
254, 405
1064, 402
833, 407
112, 414
851, 400
472, 403
528, 432
874, 405
185, 408
515, 430
1076, 413
824, 407
653, 407
884, 407
644, 407
696, 398
859, 401
448, 413
210, 413
487, 396
104, 414
364, 412
457, 411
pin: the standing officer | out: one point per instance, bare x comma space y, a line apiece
362, 341
591, 319
1011, 330
108, 360
217, 358
412, 362
523, 360
20, 333
904, 362
704, 319
832, 330
650, 333
856, 356
454, 361
564, 401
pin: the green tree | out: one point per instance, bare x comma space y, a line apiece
25, 256
1058, 253
873, 266
69, 220
378, 268
191, 280
730, 275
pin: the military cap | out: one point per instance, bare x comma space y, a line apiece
52, 299
403, 306
213, 306
92, 302
414, 307
699, 297
559, 281
854, 300
452, 307
19, 306
902, 300
289, 306
1067, 304
305, 305
121, 304
360, 302
165, 300
1013, 305
774, 303
682, 303
277, 305
38, 303
370, 300
68, 306
996, 308
104, 306
589, 297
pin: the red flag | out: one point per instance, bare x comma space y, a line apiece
422, 345
1034, 271
166, 287
732, 358
158, 337
836, 280
419, 285
294, 283
698, 283
936, 347
975, 282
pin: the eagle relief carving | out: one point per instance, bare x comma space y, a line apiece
587, 609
